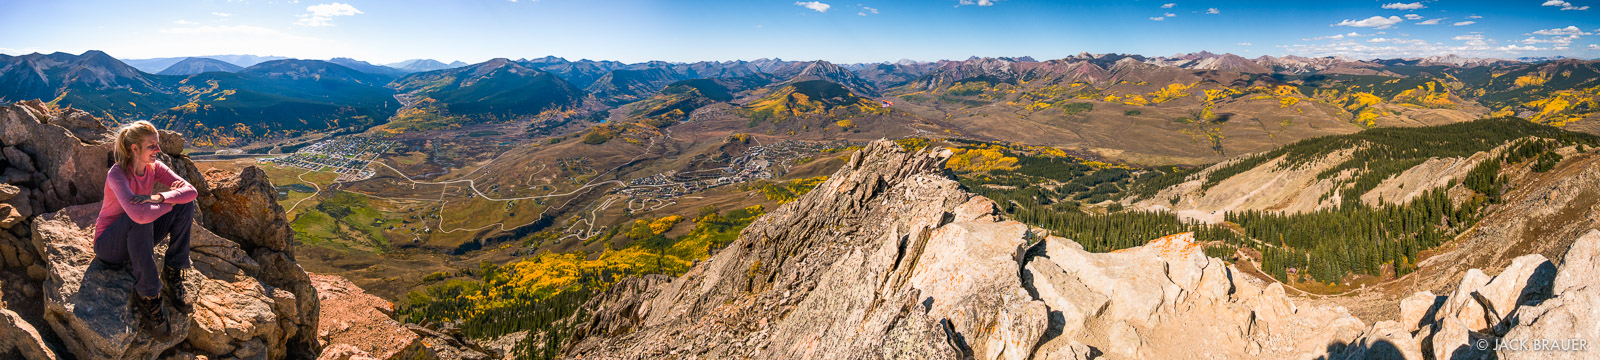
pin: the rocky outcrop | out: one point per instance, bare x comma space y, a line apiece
352, 318
20, 338
55, 161
356, 325
251, 299
243, 207
1166, 299
890, 258
235, 313
1571, 315
1531, 310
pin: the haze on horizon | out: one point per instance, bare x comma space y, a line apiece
838, 31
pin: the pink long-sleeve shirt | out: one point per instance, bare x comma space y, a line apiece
121, 186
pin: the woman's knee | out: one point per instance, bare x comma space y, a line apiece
186, 209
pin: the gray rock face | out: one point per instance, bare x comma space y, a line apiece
88, 306
1166, 300
252, 300
890, 259
236, 313
1522, 313
64, 166
799, 285
20, 337
1418, 307
1571, 315
244, 207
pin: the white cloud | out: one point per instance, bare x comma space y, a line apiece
1557, 40
1464, 23
1514, 48
1474, 17
1158, 18
976, 2
1170, 15
1373, 22
323, 14
1594, 47
1244, 44
1565, 5
1213, 11
867, 10
1413, 17
1404, 6
1413, 42
185, 22
814, 5
1431, 21
222, 14
1473, 40
1168, 5
1570, 30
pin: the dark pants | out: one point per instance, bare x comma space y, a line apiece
128, 242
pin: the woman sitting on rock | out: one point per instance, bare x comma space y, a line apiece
133, 217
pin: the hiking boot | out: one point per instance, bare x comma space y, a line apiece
151, 317
174, 289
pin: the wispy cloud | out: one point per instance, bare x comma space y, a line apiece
1570, 30
1404, 6
1474, 40
1372, 22
1431, 21
976, 2
222, 14
323, 14
185, 22
1412, 42
867, 10
1157, 18
1168, 5
1474, 17
1213, 11
1464, 23
1565, 5
1413, 17
1245, 44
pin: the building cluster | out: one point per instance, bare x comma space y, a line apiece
346, 155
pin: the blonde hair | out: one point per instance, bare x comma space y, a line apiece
128, 136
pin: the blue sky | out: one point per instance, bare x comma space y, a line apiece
383, 31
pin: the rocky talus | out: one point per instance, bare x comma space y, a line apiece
890, 258
251, 299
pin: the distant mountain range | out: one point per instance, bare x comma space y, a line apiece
156, 65
227, 105
420, 65
193, 66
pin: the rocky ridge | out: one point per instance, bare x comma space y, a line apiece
890, 258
